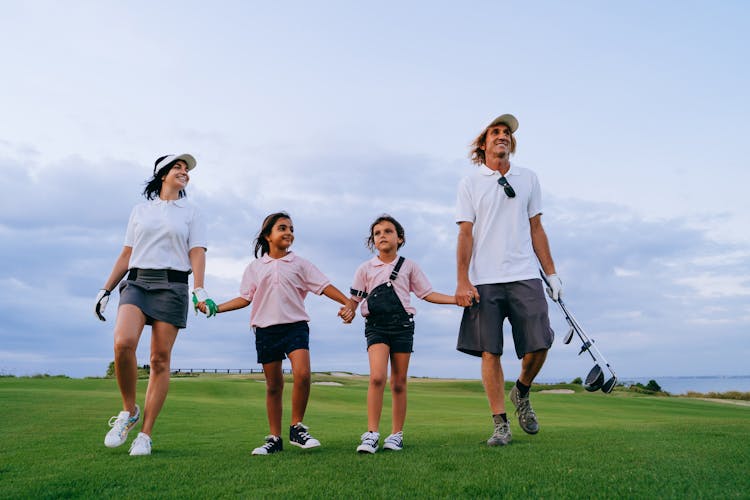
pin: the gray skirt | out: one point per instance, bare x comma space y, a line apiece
158, 298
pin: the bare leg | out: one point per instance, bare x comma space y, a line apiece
274, 390
494, 382
128, 329
531, 364
163, 336
378, 356
300, 360
399, 369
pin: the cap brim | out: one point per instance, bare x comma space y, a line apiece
507, 119
187, 158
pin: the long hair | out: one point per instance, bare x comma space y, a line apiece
476, 154
261, 243
153, 186
386, 218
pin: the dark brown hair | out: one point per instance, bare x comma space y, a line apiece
386, 218
261, 243
153, 186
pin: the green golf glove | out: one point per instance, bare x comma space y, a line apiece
200, 295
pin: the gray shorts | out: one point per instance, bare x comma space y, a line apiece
525, 306
158, 298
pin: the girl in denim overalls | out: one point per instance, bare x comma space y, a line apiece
382, 285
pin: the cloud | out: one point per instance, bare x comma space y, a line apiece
660, 297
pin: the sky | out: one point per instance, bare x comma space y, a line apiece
633, 115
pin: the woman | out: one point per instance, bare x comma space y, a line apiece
164, 243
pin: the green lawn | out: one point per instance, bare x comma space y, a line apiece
591, 445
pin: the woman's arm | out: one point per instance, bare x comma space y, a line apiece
440, 298
197, 257
119, 269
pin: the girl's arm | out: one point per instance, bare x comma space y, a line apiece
229, 305
440, 298
334, 293
347, 312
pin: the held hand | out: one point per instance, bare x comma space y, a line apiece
204, 304
101, 303
466, 295
554, 290
346, 314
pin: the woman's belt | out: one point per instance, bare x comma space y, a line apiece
171, 275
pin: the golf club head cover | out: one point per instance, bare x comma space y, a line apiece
554, 290
200, 295
101, 303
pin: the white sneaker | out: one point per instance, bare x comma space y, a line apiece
121, 425
369, 442
141, 445
394, 442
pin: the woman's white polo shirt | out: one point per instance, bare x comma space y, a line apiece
162, 232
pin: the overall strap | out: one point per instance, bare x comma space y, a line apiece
397, 268
358, 293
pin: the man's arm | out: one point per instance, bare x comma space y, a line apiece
465, 291
541, 245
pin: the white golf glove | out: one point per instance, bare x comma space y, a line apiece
555, 287
101, 303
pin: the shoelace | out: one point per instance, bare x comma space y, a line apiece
118, 423
502, 429
524, 408
302, 432
370, 439
269, 444
396, 439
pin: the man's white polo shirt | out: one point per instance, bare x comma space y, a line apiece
502, 251
162, 233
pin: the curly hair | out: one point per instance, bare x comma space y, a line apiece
476, 155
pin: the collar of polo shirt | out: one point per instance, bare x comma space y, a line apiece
180, 202
485, 170
267, 258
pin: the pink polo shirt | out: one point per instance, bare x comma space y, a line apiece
277, 288
375, 272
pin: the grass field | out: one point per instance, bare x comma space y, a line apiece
621, 445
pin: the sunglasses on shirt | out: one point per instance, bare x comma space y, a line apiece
506, 187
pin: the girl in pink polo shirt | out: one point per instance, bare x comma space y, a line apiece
386, 281
276, 282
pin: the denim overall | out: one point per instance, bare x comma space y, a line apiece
385, 308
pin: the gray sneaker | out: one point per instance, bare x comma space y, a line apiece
501, 436
526, 416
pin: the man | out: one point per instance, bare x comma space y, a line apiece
500, 238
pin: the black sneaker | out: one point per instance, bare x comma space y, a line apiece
298, 436
273, 444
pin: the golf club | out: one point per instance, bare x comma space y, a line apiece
595, 378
